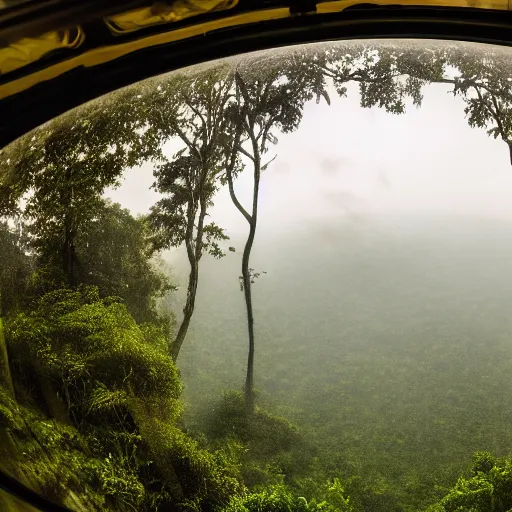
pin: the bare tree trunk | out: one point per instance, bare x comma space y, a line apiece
68, 246
246, 278
249, 379
246, 275
5, 372
194, 250
188, 310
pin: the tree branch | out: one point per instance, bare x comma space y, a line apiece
266, 131
498, 120
204, 129
265, 166
245, 152
229, 175
186, 140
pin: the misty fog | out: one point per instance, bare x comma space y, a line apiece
387, 242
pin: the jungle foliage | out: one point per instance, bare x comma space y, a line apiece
91, 408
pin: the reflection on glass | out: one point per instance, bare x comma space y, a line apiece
275, 282
9, 503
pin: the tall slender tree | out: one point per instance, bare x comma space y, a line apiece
270, 96
192, 110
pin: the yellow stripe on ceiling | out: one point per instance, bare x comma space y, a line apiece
339, 5
160, 13
29, 50
108, 53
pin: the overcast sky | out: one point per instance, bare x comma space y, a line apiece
346, 161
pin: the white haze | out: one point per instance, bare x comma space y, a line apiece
346, 162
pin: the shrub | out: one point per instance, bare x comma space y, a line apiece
275, 451
487, 488
94, 354
280, 499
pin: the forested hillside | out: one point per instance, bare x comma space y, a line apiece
399, 374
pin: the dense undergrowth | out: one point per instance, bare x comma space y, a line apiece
97, 435
96, 421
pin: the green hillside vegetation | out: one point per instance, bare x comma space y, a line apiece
413, 380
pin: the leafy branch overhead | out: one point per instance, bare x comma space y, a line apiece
212, 235
253, 276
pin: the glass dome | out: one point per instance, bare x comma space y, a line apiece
279, 281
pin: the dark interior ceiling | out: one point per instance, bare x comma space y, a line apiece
156, 49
